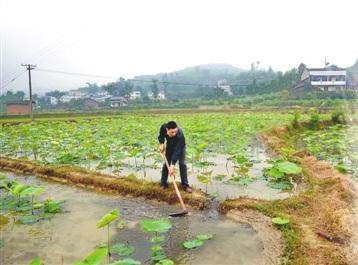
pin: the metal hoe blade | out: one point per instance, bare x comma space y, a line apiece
180, 214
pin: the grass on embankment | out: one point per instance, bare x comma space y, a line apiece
129, 185
322, 207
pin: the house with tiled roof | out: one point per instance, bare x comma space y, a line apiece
328, 78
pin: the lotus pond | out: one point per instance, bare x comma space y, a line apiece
73, 233
337, 144
221, 148
225, 159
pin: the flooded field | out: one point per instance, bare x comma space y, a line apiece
71, 235
337, 144
217, 165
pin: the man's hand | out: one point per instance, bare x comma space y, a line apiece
171, 170
161, 148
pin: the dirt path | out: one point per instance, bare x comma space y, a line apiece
352, 221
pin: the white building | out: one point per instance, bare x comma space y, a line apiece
53, 100
222, 84
150, 95
100, 96
161, 95
72, 94
329, 78
135, 95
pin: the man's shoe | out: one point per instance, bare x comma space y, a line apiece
188, 189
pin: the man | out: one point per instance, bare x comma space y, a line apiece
174, 151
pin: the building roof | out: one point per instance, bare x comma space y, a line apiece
23, 102
117, 99
91, 99
328, 68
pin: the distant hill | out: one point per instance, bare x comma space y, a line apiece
208, 74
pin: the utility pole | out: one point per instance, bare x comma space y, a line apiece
30, 67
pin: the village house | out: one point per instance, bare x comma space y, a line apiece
72, 94
116, 102
100, 96
51, 100
90, 103
223, 84
329, 78
19, 107
135, 95
161, 95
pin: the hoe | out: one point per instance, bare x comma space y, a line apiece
184, 209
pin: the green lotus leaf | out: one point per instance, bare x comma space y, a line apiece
36, 261
122, 249
126, 262
95, 258
283, 185
157, 239
108, 218
193, 244
159, 226
165, 262
219, 177
274, 172
29, 219
341, 168
203, 237
32, 191
289, 168
280, 221
156, 248
203, 179
157, 256
52, 206
18, 188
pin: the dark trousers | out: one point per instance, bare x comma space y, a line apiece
182, 168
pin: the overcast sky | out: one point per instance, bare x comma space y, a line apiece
132, 37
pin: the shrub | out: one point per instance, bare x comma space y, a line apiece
339, 115
296, 118
314, 119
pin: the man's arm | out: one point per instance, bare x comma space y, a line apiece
178, 148
161, 136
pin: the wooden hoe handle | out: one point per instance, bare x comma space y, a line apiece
175, 184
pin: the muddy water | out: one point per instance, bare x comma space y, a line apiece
71, 235
258, 189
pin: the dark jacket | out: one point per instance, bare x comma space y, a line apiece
175, 145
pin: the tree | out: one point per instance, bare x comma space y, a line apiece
90, 88
154, 88
56, 94
122, 88
19, 95
218, 92
126, 90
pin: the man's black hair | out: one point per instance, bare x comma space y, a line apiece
171, 125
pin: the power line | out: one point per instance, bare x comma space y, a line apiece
13, 79
48, 49
40, 55
72, 73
